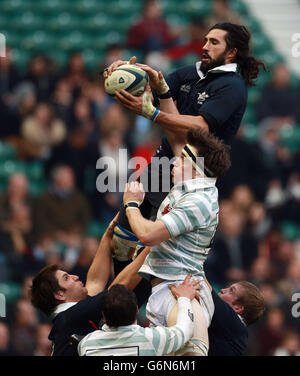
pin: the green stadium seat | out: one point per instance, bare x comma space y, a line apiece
193, 8
10, 167
290, 230
20, 58
53, 7
250, 132
35, 171
59, 57
252, 24
75, 40
13, 7
64, 21
10, 290
240, 7
39, 41
6, 151
27, 21
177, 20
290, 137
260, 43
92, 58
13, 38
37, 188
250, 115
253, 95
271, 58
95, 229
96, 23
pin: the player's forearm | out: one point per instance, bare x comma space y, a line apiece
99, 271
184, 322
139, 225
180, 124
168, 106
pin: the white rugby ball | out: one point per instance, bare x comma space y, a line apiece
128, 77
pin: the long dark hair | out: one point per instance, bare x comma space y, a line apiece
239, 37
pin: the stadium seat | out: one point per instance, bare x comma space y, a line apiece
290, 230
240, 7
250, 115
6, 152
39, 41
20, 58
36, 188
253, 95
95, 229
290, 137
250, 132
92, 58
10, 290
193, 8
27, 21
35, 171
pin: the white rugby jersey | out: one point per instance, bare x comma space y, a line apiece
190, 212
134, 340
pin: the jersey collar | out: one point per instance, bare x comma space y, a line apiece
232, 67
62, 307
194, 184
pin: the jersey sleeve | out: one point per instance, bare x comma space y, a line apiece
168, 340
189, 214
218, 108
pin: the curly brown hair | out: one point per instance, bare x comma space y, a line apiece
215, 153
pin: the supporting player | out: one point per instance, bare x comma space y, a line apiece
121, 336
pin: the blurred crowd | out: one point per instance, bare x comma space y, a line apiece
62, 118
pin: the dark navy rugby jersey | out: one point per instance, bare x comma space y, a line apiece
228, 336
220, 97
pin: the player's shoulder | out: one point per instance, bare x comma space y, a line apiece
187, 72
231, 80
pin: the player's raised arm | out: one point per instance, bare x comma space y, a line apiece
148, 232
100, 268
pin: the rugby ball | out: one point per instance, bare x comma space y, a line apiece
128, 77
125, 243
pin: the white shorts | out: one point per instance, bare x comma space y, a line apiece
162, 301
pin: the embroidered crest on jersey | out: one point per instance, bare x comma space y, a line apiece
202, 97
167, 209
185, 88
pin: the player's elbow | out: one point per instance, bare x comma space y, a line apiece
148, 240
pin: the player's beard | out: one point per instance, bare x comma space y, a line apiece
213, 63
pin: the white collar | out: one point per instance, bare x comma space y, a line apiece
191, 184
242, 320
62, 307
232, 67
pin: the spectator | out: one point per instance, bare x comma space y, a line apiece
5, 344
24, 327
41, 131
62, 209
76, 73
232, 251
9, 77
16, 195
62, 101
43, 345
152, 32
279, 98
290, 345
41, 76
271, 333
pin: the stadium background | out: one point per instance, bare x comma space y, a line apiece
54, 112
